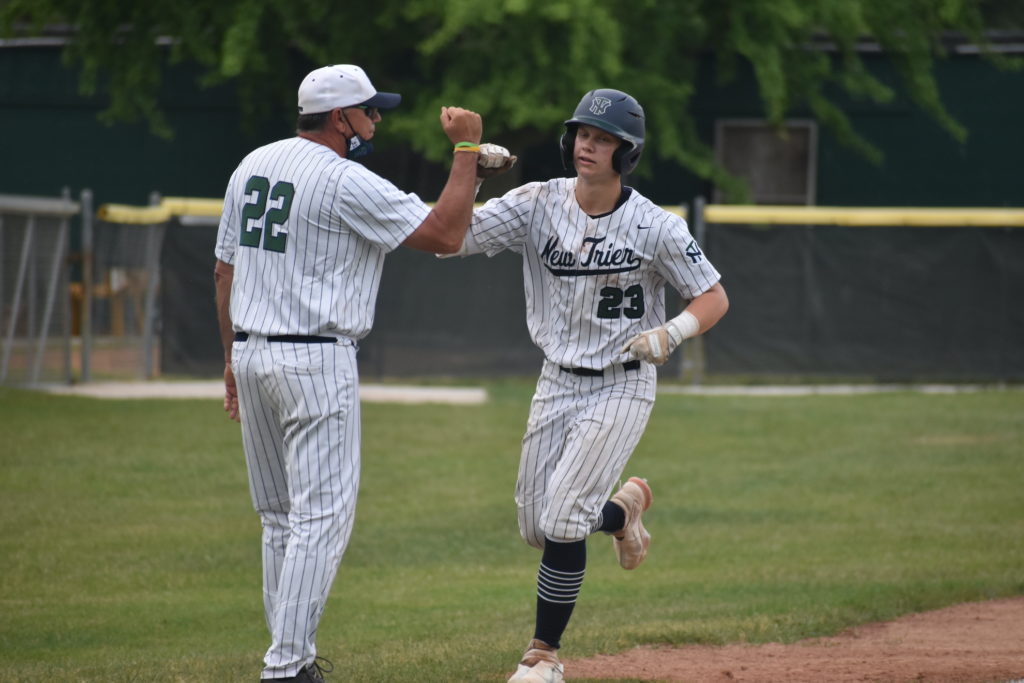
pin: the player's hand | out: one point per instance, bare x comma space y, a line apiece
230, 394
494, 160
461, 125
653, 346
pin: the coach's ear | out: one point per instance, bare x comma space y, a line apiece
339, 122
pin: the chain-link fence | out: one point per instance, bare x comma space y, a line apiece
816, 292
78, 296
34, 308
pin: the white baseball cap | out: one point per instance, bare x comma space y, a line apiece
341, 85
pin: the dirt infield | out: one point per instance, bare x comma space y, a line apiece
971, 643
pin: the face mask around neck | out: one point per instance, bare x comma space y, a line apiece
358, 147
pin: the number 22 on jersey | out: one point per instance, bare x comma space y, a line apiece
255, 211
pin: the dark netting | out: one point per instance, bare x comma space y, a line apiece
435, 317
901, 303
892, 304
450, 316
189, 337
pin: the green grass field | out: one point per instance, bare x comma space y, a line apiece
130, 551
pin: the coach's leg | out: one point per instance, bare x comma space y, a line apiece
262, 441
322, 442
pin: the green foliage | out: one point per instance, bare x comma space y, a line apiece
523, 64
131, 551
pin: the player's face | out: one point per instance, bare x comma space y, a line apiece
593, 151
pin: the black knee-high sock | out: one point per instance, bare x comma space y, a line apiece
558, 585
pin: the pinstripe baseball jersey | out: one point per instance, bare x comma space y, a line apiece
307, 232
614, 267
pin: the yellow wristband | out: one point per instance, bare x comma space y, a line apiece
467, 147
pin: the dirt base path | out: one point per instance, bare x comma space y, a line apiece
972, 643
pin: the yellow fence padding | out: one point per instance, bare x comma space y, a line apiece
713, 213
136, 215
877, 216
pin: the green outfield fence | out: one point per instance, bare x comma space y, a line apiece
881, 293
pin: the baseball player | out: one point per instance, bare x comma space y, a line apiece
299, 250
596, 259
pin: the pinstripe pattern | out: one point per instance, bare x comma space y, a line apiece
579, 436
343, 220
570, 257
299, 403
591, 283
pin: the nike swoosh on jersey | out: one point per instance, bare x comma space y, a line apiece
644, 227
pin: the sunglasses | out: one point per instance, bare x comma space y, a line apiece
369, 111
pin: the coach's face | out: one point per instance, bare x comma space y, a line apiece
593, 151
362, 120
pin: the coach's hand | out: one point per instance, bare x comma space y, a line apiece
461, 125
230, 395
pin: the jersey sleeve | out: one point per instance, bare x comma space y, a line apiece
377, 210
227, 230
502, 223
682, 262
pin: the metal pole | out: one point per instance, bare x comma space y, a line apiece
26, 248
154, 242
64, 290
87, 284
2, 260
51, 296
153, 248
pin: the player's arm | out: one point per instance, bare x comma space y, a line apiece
445, 226
700, 316
223, 276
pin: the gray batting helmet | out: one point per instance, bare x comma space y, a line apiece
612, 111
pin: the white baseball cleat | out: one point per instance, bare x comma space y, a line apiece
632, 541
539, 665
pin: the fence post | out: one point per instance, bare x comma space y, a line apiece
64, 289
87, 284
154, 243
56, 268
19, 285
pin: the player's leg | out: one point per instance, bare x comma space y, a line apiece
319, 384
603, 435
597, 447
551, 411
262, 441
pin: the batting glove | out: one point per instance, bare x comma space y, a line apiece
654, 346
493, 160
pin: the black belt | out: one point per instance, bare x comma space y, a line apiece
291, 338
588, 372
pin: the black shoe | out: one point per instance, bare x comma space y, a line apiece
311, 673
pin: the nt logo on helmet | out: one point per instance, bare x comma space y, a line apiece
598, 105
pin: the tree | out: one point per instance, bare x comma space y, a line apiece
523, 63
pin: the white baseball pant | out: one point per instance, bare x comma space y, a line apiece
299, 407
579, 437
